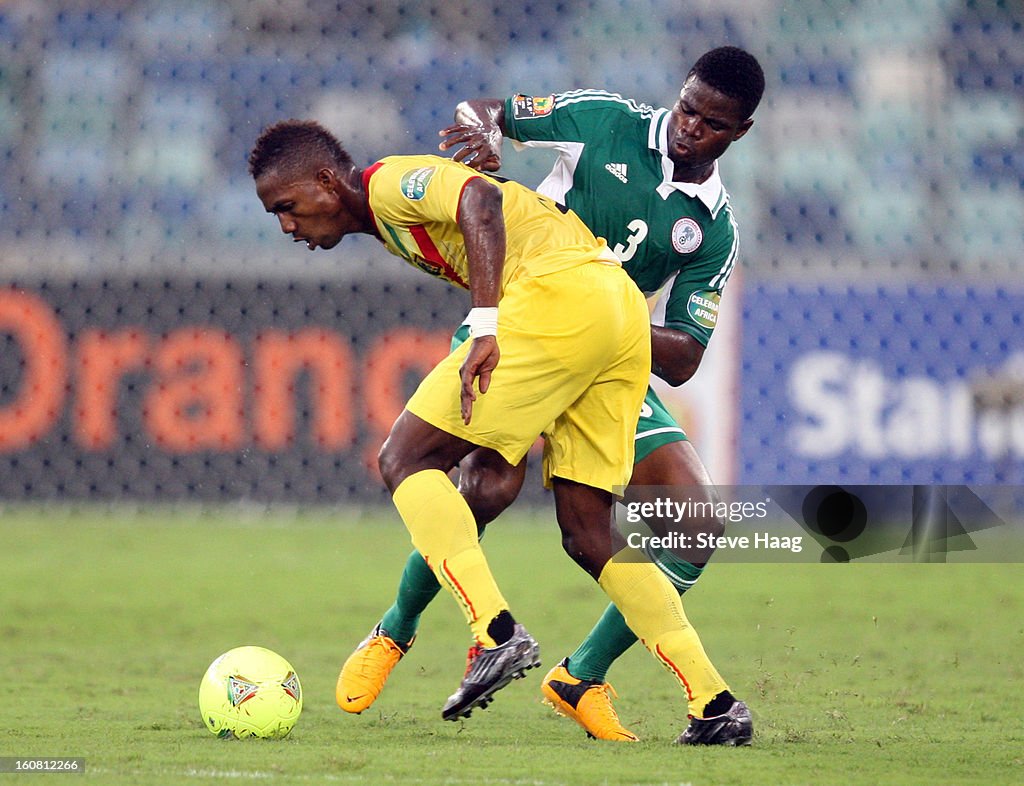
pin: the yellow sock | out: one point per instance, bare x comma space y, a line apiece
443, 530
653, 609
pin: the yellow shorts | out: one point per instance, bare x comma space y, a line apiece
575, 363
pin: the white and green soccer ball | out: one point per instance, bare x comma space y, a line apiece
250, 692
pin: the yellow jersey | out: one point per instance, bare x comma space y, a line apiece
414, 202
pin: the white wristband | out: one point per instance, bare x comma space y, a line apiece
483, 322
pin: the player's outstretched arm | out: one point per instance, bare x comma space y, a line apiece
483, 229
479, 126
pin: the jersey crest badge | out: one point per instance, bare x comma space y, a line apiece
430, 268
686, 236
414, 182
525, 107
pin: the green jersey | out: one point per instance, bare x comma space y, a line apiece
613, 170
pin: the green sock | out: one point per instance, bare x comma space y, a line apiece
681, 573
417, 588
611, 635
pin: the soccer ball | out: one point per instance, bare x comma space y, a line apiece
250, 692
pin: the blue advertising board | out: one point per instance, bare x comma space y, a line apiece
896, 384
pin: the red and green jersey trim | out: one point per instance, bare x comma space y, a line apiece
426, 248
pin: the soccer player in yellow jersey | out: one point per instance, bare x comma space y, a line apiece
559, 343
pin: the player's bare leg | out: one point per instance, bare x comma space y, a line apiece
676, 466
489, 484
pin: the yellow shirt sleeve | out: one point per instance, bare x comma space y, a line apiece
410, 190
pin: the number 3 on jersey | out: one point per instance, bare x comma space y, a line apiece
638, 233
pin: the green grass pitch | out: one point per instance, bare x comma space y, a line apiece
856, 674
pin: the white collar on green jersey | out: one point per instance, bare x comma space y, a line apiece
711, 192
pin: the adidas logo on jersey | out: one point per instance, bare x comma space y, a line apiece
619, 170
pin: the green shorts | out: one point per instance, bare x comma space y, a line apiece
656, 426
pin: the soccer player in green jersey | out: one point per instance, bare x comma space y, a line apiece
647, 180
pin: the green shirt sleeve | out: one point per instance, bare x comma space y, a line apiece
693, 295
575, 116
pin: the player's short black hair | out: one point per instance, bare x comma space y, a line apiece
733, 72
297, 147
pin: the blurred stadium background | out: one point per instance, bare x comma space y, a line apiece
162, 341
